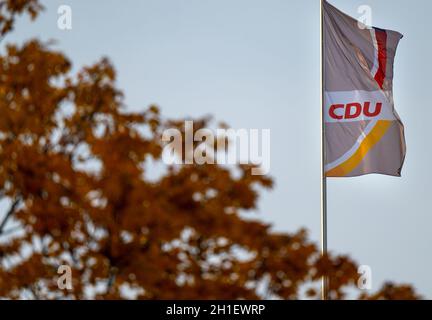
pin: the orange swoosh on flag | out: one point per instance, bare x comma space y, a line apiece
368, 143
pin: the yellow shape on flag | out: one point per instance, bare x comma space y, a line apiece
367, 144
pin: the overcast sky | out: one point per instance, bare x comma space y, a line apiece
255, 64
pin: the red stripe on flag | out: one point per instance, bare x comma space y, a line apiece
381, 37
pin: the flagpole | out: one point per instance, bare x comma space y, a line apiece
324, 281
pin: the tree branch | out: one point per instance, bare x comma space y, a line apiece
111, 279
9, 213
10, 230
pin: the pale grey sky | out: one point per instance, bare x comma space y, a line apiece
255, 64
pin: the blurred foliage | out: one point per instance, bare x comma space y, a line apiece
72, 168
9, 9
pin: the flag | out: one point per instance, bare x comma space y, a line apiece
363, 133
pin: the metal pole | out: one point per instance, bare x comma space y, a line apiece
324, 284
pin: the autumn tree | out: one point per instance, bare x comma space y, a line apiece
74, 175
